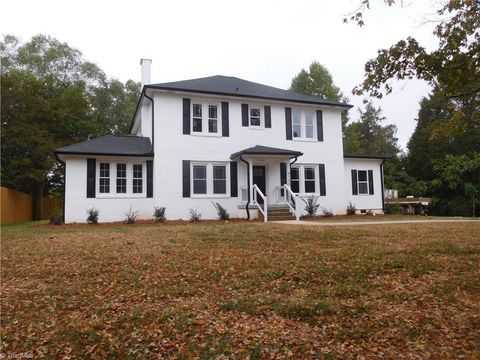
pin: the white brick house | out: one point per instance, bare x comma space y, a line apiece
225, 140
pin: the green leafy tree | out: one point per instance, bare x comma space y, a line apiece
368, 135
52, 97
452, 68
317, 81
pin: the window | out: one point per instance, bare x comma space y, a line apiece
255, 117
212, 119
303, 124
362, 182
295, 180
205, 118
309, 124
297, 124
137, 179
199, 179
104, 178
309, 173
197, 118
121, 178
219, 179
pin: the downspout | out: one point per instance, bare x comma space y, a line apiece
64, 185
248, 186
153, 117
381, 179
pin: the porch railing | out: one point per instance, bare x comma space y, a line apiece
291, 200
256, 193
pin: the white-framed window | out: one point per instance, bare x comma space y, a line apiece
210, 179
255, 116
303, 179
121, 178
104, 179
137, 179
303, 124
309, 179
205, 118
199, 179
362, 182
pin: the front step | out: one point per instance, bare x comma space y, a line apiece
279, 213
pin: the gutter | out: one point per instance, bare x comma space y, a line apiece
248, 186
64, 185
381, 179
153, 117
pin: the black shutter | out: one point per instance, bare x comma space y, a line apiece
91, 168
186, 178
225, 119
186, 116
268, 116
244, 114
283, 176
149, 178
319, 125
288, 122
370, 182
321, 175
354, 182
233, 179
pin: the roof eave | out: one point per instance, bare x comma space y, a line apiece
56, 152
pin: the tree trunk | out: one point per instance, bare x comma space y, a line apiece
37, 199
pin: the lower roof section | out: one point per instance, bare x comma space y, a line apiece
113, 145
266, 150
359, 156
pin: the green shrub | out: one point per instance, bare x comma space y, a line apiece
195, 216
221, 211
130, 216
159, 214
351, 209
57, 217
311, 206
93, 214
392, 208
327, 212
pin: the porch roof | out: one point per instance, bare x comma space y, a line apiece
266, 150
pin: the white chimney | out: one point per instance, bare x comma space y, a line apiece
146, 71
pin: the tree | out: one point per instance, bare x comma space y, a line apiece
51, 97
453, 68
318, 81
368, 135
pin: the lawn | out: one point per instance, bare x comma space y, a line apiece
238, 290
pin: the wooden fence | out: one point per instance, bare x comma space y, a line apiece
18, 207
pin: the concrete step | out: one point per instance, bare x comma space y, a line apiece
278, 218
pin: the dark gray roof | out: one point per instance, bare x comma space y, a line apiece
128, 145
360, 156
265, 150
232, 86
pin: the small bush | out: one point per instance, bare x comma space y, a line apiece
369, 213
392, 208
351, 209
311, 206
93, 214
221, 211
195, 216
327, 212
130, 216
57, 217
159, 214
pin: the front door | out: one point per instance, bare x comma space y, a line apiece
259, 180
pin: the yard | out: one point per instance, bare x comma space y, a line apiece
238, 290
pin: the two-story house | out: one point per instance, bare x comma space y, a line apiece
250, 147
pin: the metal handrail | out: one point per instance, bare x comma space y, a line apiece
264, 211
290, 194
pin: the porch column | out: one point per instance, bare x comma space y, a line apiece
250, 165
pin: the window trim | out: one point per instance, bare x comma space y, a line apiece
136, 178
301, 178
209, 178
125, 186
100, 178
303, 125
129, 162
363, 182
205, 119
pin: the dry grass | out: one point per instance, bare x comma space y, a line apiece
241, 290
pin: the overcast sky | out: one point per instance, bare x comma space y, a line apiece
262, 41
